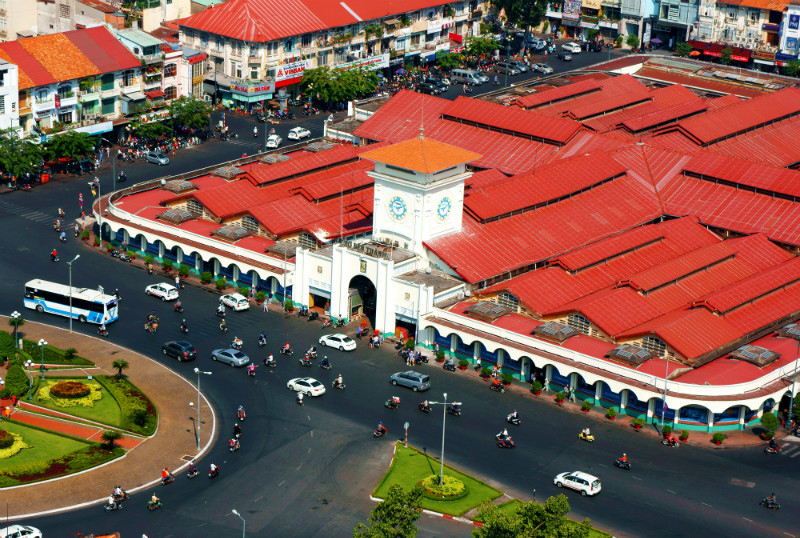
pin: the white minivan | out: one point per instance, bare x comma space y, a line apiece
466, 76
574, 48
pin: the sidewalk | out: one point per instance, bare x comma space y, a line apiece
172, 445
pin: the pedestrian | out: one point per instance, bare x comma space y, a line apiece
478, 364
178, 281
494, 371
266, 301
571, 395
435, 349
253, 292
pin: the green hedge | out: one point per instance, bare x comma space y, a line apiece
80, 460
131, 401
52, 354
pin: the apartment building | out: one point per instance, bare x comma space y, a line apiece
21, 21
257, 47
9, 96
66, 15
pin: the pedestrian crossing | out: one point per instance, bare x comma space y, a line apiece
789, 448
26, 213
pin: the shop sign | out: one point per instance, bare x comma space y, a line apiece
770, 27
794, 22
572, 10
373, 62
761, 55
457, 50
44, 113
291, 70
67, 108
442, 46
785, 57
591, 4
437, 25
255, 89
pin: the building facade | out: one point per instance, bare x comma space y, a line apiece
18, 18
9, 96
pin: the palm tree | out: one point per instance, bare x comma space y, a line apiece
110, 437
120, 364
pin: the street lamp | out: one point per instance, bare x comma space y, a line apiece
15, 317
444, 420
113, 164
42, 343
198, 371
244, 523
69, 264
28, 365
664, 400
790, 414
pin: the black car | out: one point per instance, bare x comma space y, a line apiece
181, 350
595, 47
427, 87
438, 83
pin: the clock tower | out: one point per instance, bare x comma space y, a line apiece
419, 190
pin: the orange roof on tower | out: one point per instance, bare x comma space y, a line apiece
421, 155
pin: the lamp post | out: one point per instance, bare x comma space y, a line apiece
113, 163
28, 365
664, 399
244, 523
15, 317
444, 420
198, 371
790, 414
69, 265
42, 343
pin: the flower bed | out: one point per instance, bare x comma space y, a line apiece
70, 390
451, 489
132, 401
6, 439
45, 394
17, 444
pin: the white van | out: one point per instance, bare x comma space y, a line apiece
466, 76
574, 48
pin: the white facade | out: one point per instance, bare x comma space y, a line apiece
790, 37
17, 17
167, 10
9, 96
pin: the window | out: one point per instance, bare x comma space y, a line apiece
170, 92
3, 23
3, 4
322, 58
109, 106
170, 70
2, 78
64, 91
194, 207
237, 70
63, 11
752, 16
250, 224
128, 78
254, 72
579, 323
65, 117
307, 241
219, 44
204, 40
2, 104
508, 300
654, 345
339, 56
42, 96
288, 45
307, 40
415, 40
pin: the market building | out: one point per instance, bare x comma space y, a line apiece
622, 238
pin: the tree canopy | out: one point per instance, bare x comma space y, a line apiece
394, 517
69, 145
148, 128
683, 49
523, 13
531, 520
337, 85
190, 112
482, 45
18, 156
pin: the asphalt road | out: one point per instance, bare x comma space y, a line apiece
308, 470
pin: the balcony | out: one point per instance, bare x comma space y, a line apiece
70, 100
152, 84
43, 104
89, 96
109, 92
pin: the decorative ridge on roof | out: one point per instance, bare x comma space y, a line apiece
421, 155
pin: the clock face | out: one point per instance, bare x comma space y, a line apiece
397, 208
444, 207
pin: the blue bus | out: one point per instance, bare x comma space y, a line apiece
88, 305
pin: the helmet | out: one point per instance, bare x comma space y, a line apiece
380, 422
183, 320
624, 454
236, 424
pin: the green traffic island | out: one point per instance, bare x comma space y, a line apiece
514, 517
37, 454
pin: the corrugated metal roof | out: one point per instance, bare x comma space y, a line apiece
401, 117
664, 116
762, 177
103, 49
139, 37
615, 92
558, 94
512, 120
304, 164
776, 145
681, 267
703, 83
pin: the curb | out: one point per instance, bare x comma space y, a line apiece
438, 514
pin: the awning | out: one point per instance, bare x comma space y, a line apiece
154, 94
134, 96
197, 58
715, 49
458, 38
389, 22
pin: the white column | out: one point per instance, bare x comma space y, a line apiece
710, 418
453, 344
548, 375
500, 356
384, 287
623, 404
651, 404
300, 288
339, 283
742, 416
598, 391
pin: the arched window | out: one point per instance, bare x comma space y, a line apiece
654, 345
306, 240
509, 301
195, 207
579, 323
250, 224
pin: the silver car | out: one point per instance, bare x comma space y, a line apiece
543, 68
234, 357
416, 381
506, 67
522, 67
156, 157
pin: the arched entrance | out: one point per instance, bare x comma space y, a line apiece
364, 301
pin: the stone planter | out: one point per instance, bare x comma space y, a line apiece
537, 393
611, 418
559, 401
638, 426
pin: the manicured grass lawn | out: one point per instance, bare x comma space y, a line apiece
44, 446
410, 466
105, 410
510, 507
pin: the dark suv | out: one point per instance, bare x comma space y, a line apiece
181, 350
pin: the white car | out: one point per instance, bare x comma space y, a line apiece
574, 48
20, 531
167, 292
307, 385
542, 68
236, 301
274, 141
585, 483
339, 341
299, 133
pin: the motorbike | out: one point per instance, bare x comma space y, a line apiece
305, 361
392, 403
771, 505
380, 432
102, 332
324, 366
339, 323
313, 315
336, 385
670, 443
77, 231
234, 447
192, 473
54, 258
772, 450
270, 363
178, 309
454, 410
221, 313
449, 367
109, 507
62, 237
506, 443
153, 505
214, 473
497, 388
511, 419
302, 312
327, 323
299, 398
588, 438
623, 465
167, 480
424, 408
122, 177
236, 344
286, 351
240, 414
184, 329
149, 268
223, 328
262, 342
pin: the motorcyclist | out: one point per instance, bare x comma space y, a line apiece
102, 329
286, 347
240, 412
63, 235
771, 500
325, 362
165, 475
237, 430
586, 432
154, 500
450, 362
269, 360
221, 310
57, 225
237, 342
251, 370
112, 502
192, 468
177, 306
262, 339
496, 383
514, 415
381, 427
222, 326
214, 468
425, 405
255, 131
234, 444
504, 435
184, 325
118, 492
338, 381
312, 351
623, 459
773, 445
54, 254
300, 397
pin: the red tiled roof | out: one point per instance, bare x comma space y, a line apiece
545, 186
666, 115
732, 171
99, 5
558, 93
31, 72
715, 103
513, 120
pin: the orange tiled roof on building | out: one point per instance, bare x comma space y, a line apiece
421, 155
59, 56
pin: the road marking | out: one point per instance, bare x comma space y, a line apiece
282, 483
743, 483
746, 519
258, 499
794, 455
706, 504
309, 417
673, 492
312, 435
309, 450
202, 525
636, 478
298, 467
787, 534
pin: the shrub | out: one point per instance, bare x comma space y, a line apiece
70, 353
221, 283
537, 386
410, 344
560, 396
451, 486
261, 296
507, 378
148, 259
70, 389
17, 381
205, 277
16, 445
638, 421
44, 395
131, 254
440, 357
463, 363
718, 437
619, 41
244, 290
109, 248
288, 305
167, 264
139, 417
6, 344
486, 372
769, 421
611, 412
110, 437
85, 235
684, 435
96, 241
586, 405
6, 439
667, 430
183, 270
